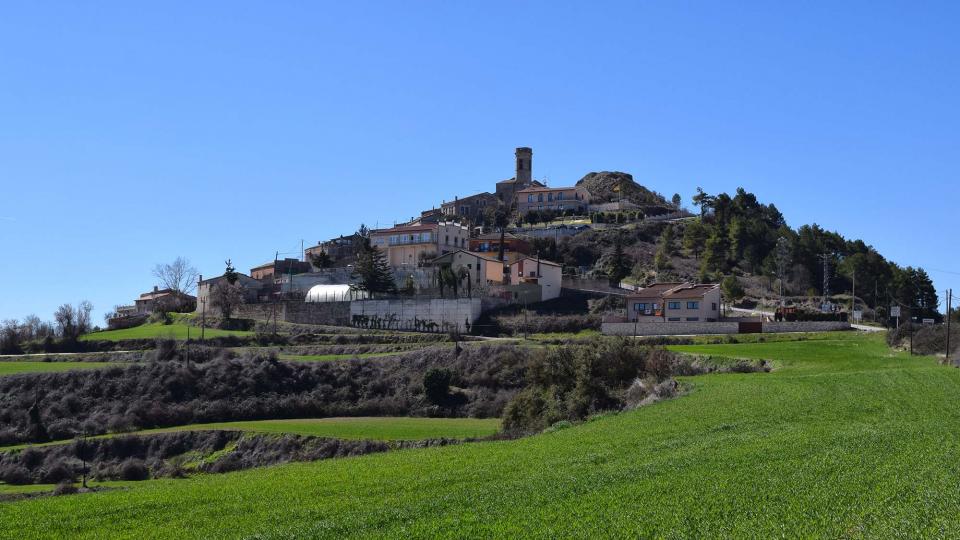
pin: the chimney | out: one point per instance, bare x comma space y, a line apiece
155, 288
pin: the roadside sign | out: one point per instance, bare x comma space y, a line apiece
858, 315
928, 321
895, 311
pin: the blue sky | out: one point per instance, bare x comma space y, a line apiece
132, 134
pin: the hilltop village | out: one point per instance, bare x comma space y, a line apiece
605, 246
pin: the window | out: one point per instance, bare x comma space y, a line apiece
540, 197
560, 196
640, 306
550, 197
673, 305
674, 319
713, 306
693, 305
693, 319
448, 240
529, 198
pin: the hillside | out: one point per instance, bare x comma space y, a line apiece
603, 185
817, 448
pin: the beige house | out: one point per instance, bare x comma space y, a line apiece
483, 269
414, 244
557, 199
547, 274
675, 302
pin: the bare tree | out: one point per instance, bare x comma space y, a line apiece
66, 319
226, 298
178, 276
83, 311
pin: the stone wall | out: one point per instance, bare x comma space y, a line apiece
669, 328
329, 313
430, 315
707, 328
808, 326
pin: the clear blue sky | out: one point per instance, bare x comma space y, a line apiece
131, 134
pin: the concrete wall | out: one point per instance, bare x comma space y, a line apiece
698, 328
416, 314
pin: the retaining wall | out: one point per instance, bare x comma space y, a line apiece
669, 328
328, 313
707, 328
438, 314
804, 326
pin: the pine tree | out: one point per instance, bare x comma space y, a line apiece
695, 237
619, 265
373, 273
230, 273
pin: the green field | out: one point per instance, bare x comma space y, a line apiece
843, 439
373, 428
13, 367
158, 330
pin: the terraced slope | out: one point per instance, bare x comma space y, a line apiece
843, 439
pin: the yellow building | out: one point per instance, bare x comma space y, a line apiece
412, 245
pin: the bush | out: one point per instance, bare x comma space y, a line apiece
59, 472
65, 488
16, 475
436, 385
134, 469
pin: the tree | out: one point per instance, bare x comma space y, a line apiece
10, 336
83, 311
226, 297
66, 319
178, 276
703, 201
667, 240
714, 254
676, 200
372, 272
321, 260
695, 238
619, 265
448, 278
230, 272
732, 290
84, 451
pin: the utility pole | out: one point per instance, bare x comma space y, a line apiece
203, 308
853, 296
949, 305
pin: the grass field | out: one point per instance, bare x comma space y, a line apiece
158, 330
844, 439
373, 428
13, 367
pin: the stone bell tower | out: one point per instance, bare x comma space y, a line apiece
524, 167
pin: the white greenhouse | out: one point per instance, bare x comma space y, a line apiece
334, 293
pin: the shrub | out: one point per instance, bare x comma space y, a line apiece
59, 472
134, 469
16, 475
436, 385
65, 488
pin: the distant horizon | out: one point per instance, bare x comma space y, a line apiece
133, 135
